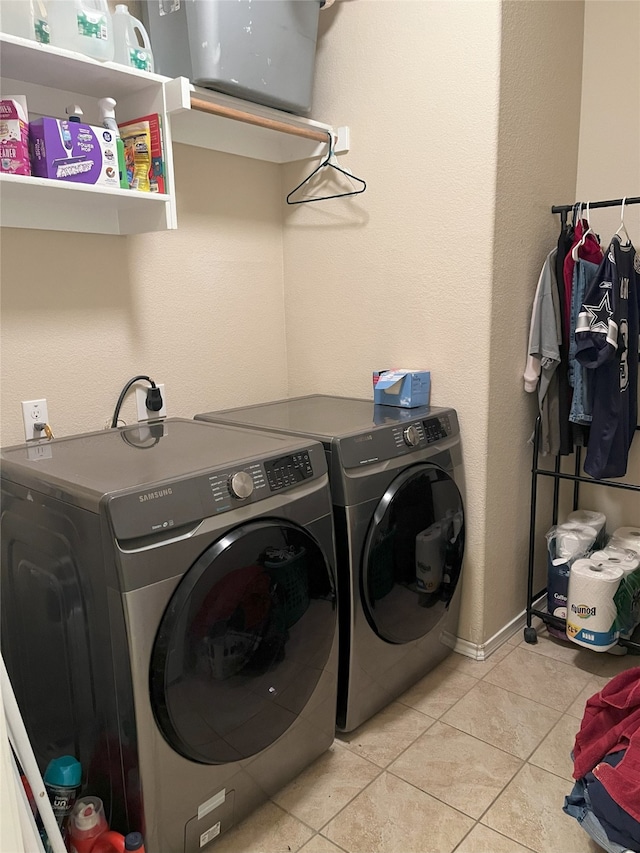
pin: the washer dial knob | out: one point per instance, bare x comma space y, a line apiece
241, 485
411, 436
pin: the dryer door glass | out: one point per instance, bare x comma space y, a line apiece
243, 642
413, 554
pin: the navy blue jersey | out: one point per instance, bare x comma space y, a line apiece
607, 342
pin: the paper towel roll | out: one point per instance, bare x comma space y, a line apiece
627, 559
574, 540
591, 611
429, 547
627, 537
591, 518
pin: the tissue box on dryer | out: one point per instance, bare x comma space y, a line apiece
402, 387
72, 151
14, 136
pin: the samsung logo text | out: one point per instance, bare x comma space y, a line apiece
152, 496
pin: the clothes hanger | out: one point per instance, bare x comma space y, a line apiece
578, 246
622, 225
326, 163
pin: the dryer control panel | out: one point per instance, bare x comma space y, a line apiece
437, 428
397, 434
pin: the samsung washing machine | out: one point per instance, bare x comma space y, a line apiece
396, 481
169, 617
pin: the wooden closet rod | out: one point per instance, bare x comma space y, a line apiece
269, 123
614, 202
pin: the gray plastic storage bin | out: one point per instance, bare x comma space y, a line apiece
259, 50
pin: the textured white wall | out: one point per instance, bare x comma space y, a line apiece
200, 309
401, 276
466, 142
537, 160
609, 167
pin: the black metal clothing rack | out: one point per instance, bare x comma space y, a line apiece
530, 634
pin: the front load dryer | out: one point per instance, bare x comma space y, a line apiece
396, 481
169, 617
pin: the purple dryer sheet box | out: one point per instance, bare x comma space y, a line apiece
71, 151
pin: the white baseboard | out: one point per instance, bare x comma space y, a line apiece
482, 651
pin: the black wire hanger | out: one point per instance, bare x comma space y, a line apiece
326, 163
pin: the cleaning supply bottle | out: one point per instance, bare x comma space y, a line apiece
25, 18
75, 112
114, 842
107, 108
126, 45
86, 824
62, 780
83, 26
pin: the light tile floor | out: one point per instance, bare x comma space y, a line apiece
472, 759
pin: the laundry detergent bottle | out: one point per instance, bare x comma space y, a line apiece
25, 18
83, 26
132, 45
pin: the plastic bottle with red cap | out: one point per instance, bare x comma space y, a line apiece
114, 842
86, 824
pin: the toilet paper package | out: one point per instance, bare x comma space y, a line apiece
429, 557
573, 539
627, 537
591, 608
591, 518
558, 571
565, 543
625, 558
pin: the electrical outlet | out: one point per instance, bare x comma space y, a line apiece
33, 412
143, 413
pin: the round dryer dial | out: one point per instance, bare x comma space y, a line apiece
241, 485
411, 436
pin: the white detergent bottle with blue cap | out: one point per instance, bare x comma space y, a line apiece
83, 26
132, 45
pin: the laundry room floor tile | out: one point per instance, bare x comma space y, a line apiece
593, 686
267, 830
391, 816
481, 839
554, 753
543, 679
529, 810
610, 665
476, 668
386, 735
320, 844
438, 691
506, 720
458, 769
325, 787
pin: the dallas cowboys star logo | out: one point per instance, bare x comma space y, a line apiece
599, 314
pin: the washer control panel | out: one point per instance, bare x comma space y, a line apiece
437, 428
408, 436
288, 470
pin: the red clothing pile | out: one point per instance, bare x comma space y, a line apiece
611, 722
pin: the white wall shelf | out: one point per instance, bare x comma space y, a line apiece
49, 205
51, 79
243, 128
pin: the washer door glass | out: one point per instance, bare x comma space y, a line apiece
243, 642
413, 554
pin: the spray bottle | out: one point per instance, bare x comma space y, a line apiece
108, 113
